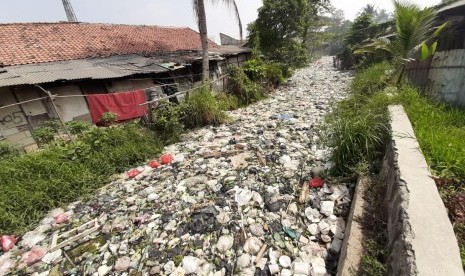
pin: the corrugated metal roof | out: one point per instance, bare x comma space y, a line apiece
101, 68
452, 6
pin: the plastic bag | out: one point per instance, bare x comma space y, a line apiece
61, 218
36, 254
316, 182
154, 164
8, 242
133, 173
166, 158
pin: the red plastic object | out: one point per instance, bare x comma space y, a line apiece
8, 242
133, 173
166, 158
36, 254
61, 218
154, 164
316, 183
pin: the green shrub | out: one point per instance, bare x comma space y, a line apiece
255, 69
227, 101
358, 129
32, 184
372, 79
78, 127
167, 121
240, 86
54, 124
108, 118
7, 151
269, 73
274, 74
201, 109
44, 135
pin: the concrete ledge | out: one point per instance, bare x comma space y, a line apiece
421, 240
352, 248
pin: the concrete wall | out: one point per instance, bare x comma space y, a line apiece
13, 122
73, 107
421, 240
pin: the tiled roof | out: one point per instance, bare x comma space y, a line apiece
27, 43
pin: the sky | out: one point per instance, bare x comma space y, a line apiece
158, 12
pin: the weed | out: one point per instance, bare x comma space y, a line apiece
244, 89
357, 131
108, 118
7, 151
227, 101
167, 123
372, 79
441, 143
370, 261
32, 184
201, 109
78, 127
44, 135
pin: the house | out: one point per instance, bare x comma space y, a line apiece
442, 76
70, 61
229, 40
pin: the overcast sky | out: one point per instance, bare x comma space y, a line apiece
157, 12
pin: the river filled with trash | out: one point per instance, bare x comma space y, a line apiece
245, 198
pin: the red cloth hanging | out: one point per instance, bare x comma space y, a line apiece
125, 104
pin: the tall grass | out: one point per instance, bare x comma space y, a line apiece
440, 130
201, 109
358, 127
33, 184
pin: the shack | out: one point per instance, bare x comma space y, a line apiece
48, 70
442, 77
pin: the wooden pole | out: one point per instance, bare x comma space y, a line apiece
56, 112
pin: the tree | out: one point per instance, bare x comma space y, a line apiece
414, 29
199, 10
282, 27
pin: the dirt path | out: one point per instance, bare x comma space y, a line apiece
231, 192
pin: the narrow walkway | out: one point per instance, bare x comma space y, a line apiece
230, 195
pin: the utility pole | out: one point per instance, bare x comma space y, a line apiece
69, 11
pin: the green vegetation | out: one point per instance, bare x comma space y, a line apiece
32, 184
440, 130
7, 151
108, 118
283, 29
201, 109
242, 87
167, 122
370, 262
359, 126
414, 26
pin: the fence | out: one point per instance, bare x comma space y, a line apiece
441, 78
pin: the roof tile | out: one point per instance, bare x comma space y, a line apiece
45, 42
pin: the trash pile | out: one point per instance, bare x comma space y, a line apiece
247, 198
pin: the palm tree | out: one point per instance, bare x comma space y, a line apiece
199, 10
414, 28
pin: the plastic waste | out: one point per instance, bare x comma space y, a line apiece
8, 242
133, 173
316, 182
36, 254
166, 158
60, 218
154, 164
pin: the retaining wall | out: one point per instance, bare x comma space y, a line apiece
421, 240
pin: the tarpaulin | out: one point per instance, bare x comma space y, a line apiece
125, 104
